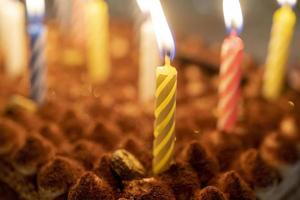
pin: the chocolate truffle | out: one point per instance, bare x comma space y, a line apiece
235, 187
26, 119
139, 150
7, 193
55, 178
106, 134
126, 165
105, 171
209, 193
52, 110
91, 187
182, 180
62, 197
11, 136
225, 146
75, 125
261, 115
128, 118
256, 171
104, 105
22, 102
278, 151
205, 165
249, 137
147, 189
289, 129
53, 133
36, 151
87, 152
21, 185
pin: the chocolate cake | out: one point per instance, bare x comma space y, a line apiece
209, 193
94, 141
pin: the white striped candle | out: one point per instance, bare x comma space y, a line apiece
36, 31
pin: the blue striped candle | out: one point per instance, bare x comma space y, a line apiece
37, 64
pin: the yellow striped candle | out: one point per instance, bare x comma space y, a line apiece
164, 142
165, 93
98, 59
284, 21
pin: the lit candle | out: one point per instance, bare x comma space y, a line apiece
230, 70
165, 95
13, 40
149, 55
98, 59
36, 30
284, 21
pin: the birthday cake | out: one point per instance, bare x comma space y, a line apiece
91, 142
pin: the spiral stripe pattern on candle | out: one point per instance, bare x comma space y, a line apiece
164, 132
229, 88
37, 68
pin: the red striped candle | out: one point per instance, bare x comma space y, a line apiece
230, 77
230, 70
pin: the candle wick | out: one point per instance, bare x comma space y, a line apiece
167, 60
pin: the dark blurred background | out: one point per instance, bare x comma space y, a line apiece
205, 18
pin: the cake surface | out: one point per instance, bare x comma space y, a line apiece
91, 141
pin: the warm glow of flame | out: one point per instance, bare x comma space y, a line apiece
233, 14
162, 31
144, 5
287, 2
35, 7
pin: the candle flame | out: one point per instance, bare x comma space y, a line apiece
163, 33
144, 5
287, 2
35, 7
233, 14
